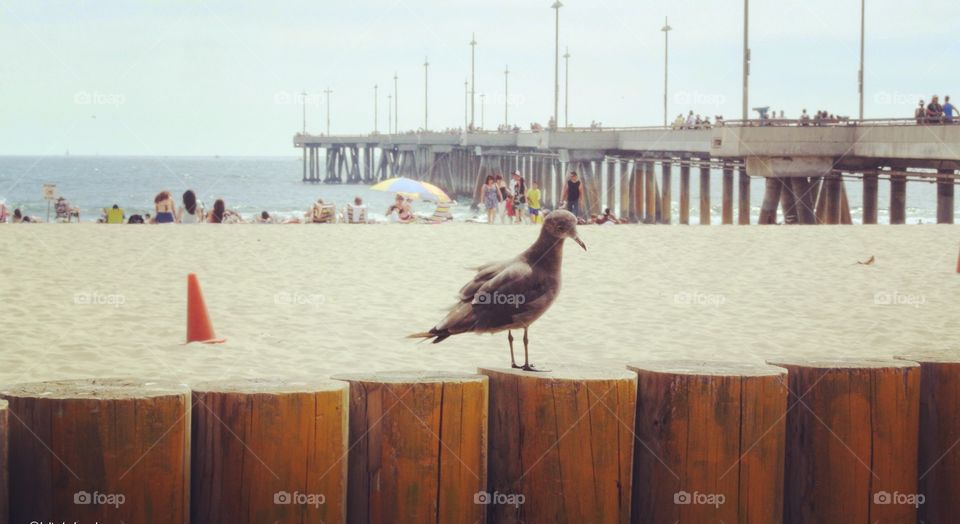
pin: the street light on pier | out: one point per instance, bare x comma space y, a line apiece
426, 98
746, 59
863, 27
328, 92
566, 89
473, 76
556, 64
666, 64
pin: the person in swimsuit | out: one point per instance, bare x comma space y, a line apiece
572, 194
190, 213
402, 210
219, 211
491, 198
166, 209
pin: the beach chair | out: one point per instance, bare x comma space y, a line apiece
324, 214
441, 214
353, 214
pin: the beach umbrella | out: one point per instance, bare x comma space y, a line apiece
412, 188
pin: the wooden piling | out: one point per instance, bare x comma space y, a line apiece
833, 197
653, 196
640, 200
852, 431
709, 442
938, 461
666, 192
771, 199
870, 198
945, 190
845, 215
898, 199
277, 446
704, 194
563, 441
685, 192
418, 447
611, 168
4, 463
626, 211
111, 450
805, 200
788, 202
743, 205
726, 211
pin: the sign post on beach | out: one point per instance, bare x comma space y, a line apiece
49, 193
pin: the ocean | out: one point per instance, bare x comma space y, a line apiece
250, 185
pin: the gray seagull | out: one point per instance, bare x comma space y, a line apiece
512, 294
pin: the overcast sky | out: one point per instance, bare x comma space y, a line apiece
194, 77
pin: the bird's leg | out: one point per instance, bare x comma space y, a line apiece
526, 354
513, 362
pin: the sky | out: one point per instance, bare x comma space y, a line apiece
172, 77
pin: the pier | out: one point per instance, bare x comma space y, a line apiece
803, 166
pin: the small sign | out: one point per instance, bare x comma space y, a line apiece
49, 191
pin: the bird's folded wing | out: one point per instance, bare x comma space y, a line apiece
511, 281
484, 274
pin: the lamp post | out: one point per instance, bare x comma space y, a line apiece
328, 92
556, 63
746, 59
506, 97
396, 104
863, 27
566, 89
376, 121
473, 76
426, 98
666, 65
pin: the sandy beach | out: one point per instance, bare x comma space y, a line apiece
297, 301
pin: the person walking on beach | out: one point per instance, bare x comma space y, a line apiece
533, 202
504, 196
519, 196
490, 194
190, 213
572, 194
165, 208
219, 211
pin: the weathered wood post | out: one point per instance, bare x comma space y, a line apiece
805, 191
743, 205
898, 198
640, 200
938, 463
269, 451
626, 191
653, 198
852, 429
611, 185
945, 190
561, 445
771, 199
4, 463
667, 200
870, 198
788, 202
709, 442
726, 210
685, 191
704, 192
107, 450
418, 447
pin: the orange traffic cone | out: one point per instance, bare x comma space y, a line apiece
199, 328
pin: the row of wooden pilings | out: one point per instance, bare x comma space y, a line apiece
792, 440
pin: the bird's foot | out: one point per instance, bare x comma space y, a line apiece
531, 367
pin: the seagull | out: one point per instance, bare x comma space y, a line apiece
512, 294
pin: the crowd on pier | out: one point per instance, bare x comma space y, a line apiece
935, 113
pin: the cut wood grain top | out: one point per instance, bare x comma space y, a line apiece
577, 375
932, 357
842, 363
713, 368
407, 377
268, 386
100, 388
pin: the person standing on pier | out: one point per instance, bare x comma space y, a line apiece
572, 194
948, 110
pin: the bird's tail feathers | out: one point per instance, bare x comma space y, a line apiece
438, 335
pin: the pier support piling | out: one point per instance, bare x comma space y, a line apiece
743, 204
666, 205
726, 211
898, 199
704, 193
771, 199
945, 190
685, 192
870, 198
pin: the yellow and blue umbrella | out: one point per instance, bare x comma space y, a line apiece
412, 188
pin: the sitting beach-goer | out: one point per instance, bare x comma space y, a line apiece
355, 213
606, 218
322, 213
115, 215
165, 208
20, 218
191, 212
65, 212
264, 218
400, 211
135, 219
217, 214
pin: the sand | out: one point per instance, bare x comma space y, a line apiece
311, 301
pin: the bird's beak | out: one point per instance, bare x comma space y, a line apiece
578, 241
